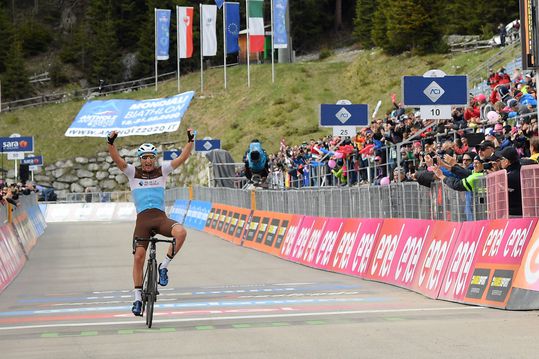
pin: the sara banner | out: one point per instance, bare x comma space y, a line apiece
130, 117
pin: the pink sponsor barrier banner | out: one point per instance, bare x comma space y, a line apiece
12, 258
434, 258
309, 226
498, 261
397, 251
291, 234
322, 243
528, 274
355, 246
460, 265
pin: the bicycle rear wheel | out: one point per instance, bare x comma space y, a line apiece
151, 291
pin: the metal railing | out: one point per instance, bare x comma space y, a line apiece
99, 197
398, 200
85, 93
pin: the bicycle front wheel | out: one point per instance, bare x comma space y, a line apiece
151, 291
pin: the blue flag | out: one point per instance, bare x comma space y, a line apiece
232, 10
280, 36
162, 19
219, 3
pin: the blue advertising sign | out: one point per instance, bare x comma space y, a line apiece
207, 145
130, 117
280, 36
33, 161
344, 115
431, 91
170, 155
162, 18
179, 210
16, 144
197, 214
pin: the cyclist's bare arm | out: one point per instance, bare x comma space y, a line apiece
114, 152
186, 151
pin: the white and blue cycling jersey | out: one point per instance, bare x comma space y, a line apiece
148, 188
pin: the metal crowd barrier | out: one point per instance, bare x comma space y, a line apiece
3, 212
529, 182
173, 194
398, 200
99, 197
23, 202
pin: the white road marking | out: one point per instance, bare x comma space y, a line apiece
267, 316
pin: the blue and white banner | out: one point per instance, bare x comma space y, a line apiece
162, 36
232, 14
207, 145
16, 144
219, 3
179, 210
197, 215
130, 117
280, 35
32, 161
170, 155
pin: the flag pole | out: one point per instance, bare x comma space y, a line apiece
155, 45
201, 51
272, 50
178, 43
248, 45
224, 40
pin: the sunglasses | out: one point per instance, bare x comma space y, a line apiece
466, 159
148, 157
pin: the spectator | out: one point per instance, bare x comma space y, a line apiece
503, 33
534, 149
510, 162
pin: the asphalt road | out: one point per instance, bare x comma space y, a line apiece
73, 300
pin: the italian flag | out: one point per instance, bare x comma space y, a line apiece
256, 25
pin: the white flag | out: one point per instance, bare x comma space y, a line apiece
209, 35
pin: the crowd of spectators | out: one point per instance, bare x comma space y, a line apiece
11, 193
497, 130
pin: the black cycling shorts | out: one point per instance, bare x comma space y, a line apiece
152, 221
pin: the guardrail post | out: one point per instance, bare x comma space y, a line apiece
253, 200
9, 213
190, 193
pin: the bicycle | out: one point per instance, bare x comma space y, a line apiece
151, 279
256, 182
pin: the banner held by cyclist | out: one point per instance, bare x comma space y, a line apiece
147, 183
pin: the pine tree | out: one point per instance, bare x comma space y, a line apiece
103, 47
379, 25
411, 25
6, 33
146, 44
363, 22
15, 83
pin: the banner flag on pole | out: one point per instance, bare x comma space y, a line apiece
256, 25
280, 35
162, 40
130, 117
232, 27
209, 30
185, 31
219, 3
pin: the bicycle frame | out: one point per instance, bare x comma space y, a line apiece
150, 278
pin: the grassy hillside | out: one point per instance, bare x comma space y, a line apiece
288, 108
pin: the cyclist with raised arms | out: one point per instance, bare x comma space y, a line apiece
147, 183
